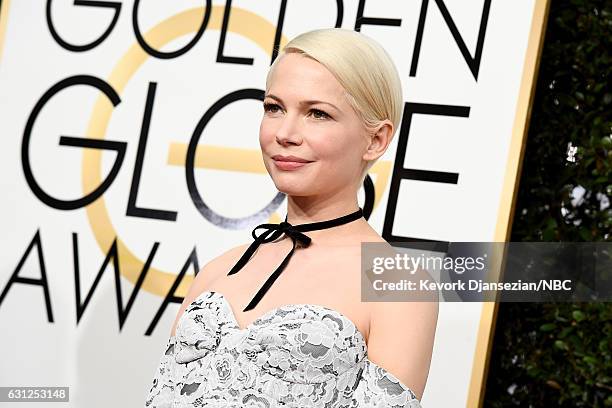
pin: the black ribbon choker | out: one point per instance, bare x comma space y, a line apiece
295, 232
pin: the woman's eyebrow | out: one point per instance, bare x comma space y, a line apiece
304, 103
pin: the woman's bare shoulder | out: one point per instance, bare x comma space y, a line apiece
374, 237
220, 264
208, 274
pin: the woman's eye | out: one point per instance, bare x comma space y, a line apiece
270, 107
274, 108
319, 114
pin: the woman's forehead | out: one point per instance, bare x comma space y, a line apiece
298, 76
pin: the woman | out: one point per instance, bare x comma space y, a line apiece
304, 337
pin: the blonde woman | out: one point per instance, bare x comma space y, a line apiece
279, 321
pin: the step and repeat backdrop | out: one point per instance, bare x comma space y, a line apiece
129, 157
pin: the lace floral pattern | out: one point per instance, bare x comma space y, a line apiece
293, 356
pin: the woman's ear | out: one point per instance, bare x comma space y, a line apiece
380, 138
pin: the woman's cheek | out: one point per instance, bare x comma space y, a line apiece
266, 130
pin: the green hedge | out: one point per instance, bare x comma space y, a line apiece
558, 355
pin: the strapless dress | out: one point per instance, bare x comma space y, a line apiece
297, 355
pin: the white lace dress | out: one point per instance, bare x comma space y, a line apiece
297, 355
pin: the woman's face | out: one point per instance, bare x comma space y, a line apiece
306, 115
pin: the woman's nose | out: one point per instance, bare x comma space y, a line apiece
289, 132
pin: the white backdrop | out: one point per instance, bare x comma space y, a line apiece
149, 201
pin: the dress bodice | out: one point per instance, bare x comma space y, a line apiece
299, 355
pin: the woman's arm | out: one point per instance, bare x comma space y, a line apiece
401, 340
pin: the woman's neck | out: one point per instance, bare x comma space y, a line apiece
301, 213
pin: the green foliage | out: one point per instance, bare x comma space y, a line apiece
558, 355
573, 104
551, 355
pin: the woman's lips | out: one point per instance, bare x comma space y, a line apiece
289, 165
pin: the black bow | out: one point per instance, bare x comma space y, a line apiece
295, 232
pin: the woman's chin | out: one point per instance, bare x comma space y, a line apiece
292, 186
291, 190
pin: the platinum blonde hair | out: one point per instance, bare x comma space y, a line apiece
361, 65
